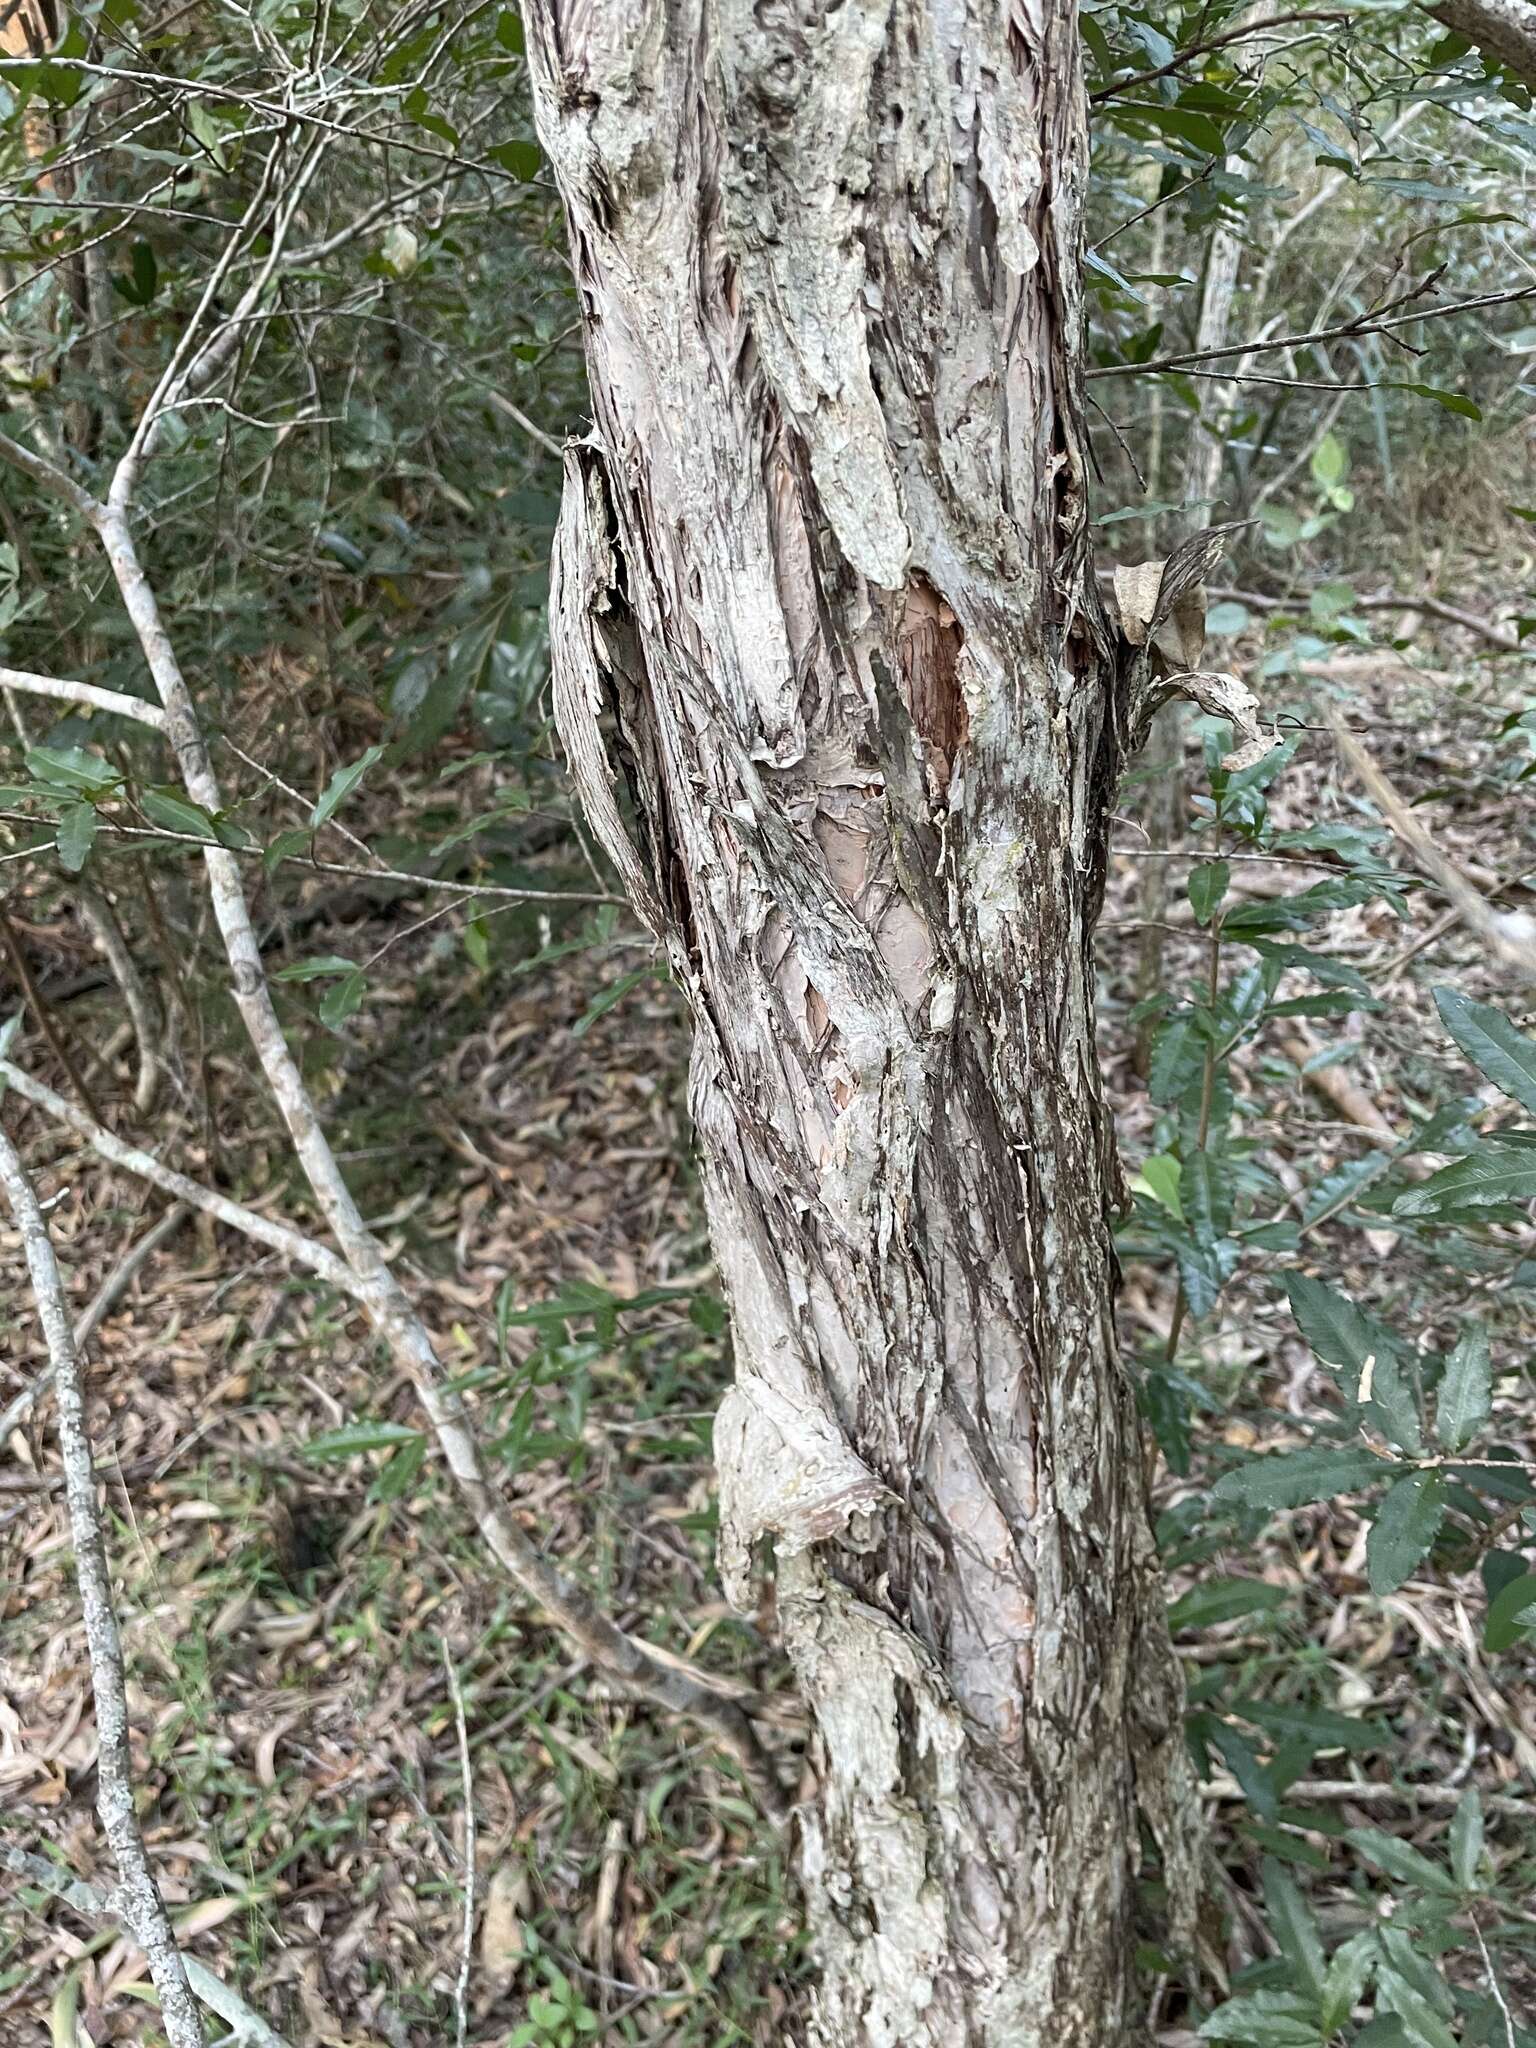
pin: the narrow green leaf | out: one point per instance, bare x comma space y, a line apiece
1293, 1479
344, 1000
1267, 2019
296, 840
1319, 1726
1422, 2025
342, 784
1398, 1859
1176, 1053
1292, 1924
1492, 1043
1465, 1398
1406, 1524
1345, 1336
1453, 401
1161, 1175
1511, 1614
177, 813
1349, 1971
316, 968
1207, 886
355, 1437
613, 994
76, 836
71, 768
1215, 1600
1486, 1179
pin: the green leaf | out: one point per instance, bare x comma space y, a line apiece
614, 993
1349, 1971
1207, 886
177, 813
1268, 2019
1185, 124
1345, 1336
1512, 1615
1406, 1524
342, 784
1467, 1840
1399, 1860
76, 836
1160, 1176
1330, 462
297, 839
1215, 1600
72, 768
1176, 1054
1465, 1398
343, 1001
1319, 1726
1492, 1043
522, 159
1453, 401
1489, 1178
315, 968
355, 1437
1225, 619
1422, 2025
1292, 1925
477, 943
1293, 1479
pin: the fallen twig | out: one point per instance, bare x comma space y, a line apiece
1509, 935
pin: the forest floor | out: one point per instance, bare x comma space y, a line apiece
301, 1611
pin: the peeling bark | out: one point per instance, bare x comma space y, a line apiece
822, 596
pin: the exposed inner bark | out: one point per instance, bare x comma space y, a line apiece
824, 560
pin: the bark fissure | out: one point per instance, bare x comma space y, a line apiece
823, 596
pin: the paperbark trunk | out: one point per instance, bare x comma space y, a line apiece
822, 594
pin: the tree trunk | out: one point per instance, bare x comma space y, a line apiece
824, 560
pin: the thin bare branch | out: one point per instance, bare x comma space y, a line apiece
1509, 935
88, 694
114, 1802
467, 1772
102, 1303
247, 2028
1182, 58
1389, 601
48, 476
676, 1685
1383, 322
277, 1237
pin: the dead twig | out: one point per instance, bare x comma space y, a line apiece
1509, 935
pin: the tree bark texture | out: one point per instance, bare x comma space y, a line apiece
822, 598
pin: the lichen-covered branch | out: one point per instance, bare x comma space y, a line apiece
114, 1798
